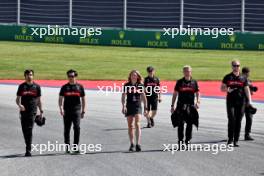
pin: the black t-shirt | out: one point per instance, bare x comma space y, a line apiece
29, 94
152, 86
186, 90
72, 94
133, 93
238, 83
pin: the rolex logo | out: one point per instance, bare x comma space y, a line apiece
121, 34
24, 30
232, 38
157, 35
192, 38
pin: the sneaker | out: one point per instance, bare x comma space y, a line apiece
138, 148
67, 151
229, 142
131, 148
152, 122
188, 144
148, 125
27, 154
236, 144
180, 145
76, 152
248, 138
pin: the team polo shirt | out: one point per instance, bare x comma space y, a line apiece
29, 94
72, 94
186, 90
237, 83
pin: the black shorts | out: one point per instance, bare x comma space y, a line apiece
152, 103
133, 110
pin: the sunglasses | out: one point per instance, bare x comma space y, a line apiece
71, 76
236, 65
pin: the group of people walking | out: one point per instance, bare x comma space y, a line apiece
72, 104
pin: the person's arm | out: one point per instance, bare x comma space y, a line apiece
18, 102
223, 87
159, 95
248, 94
61, 98
144, 99
197, 104
174, 97
40, 106
123, 101
83, 99
197, 95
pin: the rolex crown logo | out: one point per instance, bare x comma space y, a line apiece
121, 34
232, 38
157, 35
24, 30
192, 38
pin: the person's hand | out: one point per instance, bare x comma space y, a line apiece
82, 114
197, 105
62, 112
124, 110
160, 100
172, 109
229, 90
41, 114
145, 112
22, 108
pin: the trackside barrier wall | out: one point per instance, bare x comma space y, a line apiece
135, 38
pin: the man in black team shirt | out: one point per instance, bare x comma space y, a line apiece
72, 106
28, 100
188, 94
238, 96
152, 86
248, 114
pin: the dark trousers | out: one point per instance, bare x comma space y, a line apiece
27, 123
69, 119
188, 132
235, 113
249, 119
185, 117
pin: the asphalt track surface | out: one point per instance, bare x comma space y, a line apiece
104, 124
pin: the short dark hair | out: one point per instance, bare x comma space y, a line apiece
245, 70
28, 71
72, 71
150, 69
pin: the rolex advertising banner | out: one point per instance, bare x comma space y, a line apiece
134, 38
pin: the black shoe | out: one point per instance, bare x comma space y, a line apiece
187, 143
152, 122
236, 144
27, 154
181, 145
229, 142
248, 138
138, 148
148, 125
131, 148
67, 150
76, 152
